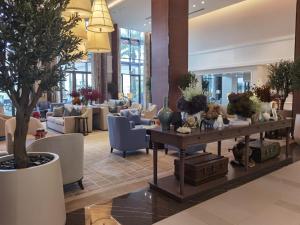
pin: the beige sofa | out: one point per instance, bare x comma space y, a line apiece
66, 124
3, 119
10, 127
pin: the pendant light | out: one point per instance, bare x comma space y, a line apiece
81, 7
98, 42
100, 20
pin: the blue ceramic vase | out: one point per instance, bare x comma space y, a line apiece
165, 116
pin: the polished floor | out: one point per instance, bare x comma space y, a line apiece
272, 199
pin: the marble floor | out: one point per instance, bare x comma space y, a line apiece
271, 200
253, 203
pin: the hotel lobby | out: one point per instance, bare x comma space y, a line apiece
140, 112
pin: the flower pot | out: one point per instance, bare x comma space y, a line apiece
32, 196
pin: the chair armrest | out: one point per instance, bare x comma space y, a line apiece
146, 121
131, 124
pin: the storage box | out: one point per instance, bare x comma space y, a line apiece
202, 168
264, 150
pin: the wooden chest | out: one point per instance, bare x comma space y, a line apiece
202, 168
264, 150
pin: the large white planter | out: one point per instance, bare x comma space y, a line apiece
32, 196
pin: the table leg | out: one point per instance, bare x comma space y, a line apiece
181, 173
219, 148
155, 148
287, 147
261, 136
247, 152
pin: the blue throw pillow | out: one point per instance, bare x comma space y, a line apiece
135, 117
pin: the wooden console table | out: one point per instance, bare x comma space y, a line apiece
183, 141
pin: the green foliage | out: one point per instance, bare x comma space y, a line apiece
112, 88
36, 46
263, 92
185, 80
241, 104
280, 77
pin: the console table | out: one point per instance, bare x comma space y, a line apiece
169, 185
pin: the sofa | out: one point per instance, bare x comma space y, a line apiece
123, 137
150, 113
3, 119
10, 127
70, 149
134, 116
66, 124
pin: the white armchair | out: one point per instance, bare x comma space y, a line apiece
70, 149
150, 113
10, 127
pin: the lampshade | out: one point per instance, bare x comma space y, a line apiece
100, 20
81, 48
98, 42
82, 7
80, 30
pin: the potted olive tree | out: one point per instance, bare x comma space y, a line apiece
36, 46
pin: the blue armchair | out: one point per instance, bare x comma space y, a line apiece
124, 138
134, 116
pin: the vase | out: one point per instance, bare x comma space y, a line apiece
266, 107
165, 116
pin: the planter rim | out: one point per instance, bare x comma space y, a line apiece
6, 157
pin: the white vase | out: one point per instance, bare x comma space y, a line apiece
32, 196
266, 107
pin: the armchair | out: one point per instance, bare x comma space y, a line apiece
124, 138
150, 113
70, 149
136, 119
10, 127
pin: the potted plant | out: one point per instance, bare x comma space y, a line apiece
280, 79
36, 46
76, 98
264, 94
192, 102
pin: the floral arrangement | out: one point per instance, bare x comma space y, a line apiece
263, 93
242, 104
75, 94
193, 100
89, 94
213, 111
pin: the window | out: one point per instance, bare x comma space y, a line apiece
132, 63
80, 76
220, 85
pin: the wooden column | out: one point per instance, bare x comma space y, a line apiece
169, 49
296, 94
115, 51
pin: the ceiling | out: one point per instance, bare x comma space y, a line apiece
136, 14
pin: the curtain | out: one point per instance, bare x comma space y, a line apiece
147, 70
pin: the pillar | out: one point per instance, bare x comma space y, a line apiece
169, 49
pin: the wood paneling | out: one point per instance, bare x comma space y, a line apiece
296, 94
115, 51
169, 49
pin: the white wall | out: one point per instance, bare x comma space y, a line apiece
250, 33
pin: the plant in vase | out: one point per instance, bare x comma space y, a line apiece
264, 94
192, 102
88, 95
212, 114
242, 105
37, 46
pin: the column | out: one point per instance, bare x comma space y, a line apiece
296, 94
169, 49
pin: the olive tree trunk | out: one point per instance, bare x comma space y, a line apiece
20, 154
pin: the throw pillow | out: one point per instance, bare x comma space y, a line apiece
58, 111
135, 117
68, 110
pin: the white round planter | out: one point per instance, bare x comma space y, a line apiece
32, 196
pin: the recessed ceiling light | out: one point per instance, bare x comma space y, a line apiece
145, 24
149, 22
202, 2
194, 6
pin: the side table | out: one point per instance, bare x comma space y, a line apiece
85, 125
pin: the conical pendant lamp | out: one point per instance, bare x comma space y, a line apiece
81, 7
98, 42
100, 20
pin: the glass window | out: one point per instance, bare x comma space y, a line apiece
132, 63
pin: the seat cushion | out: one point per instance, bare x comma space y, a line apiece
60, 121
